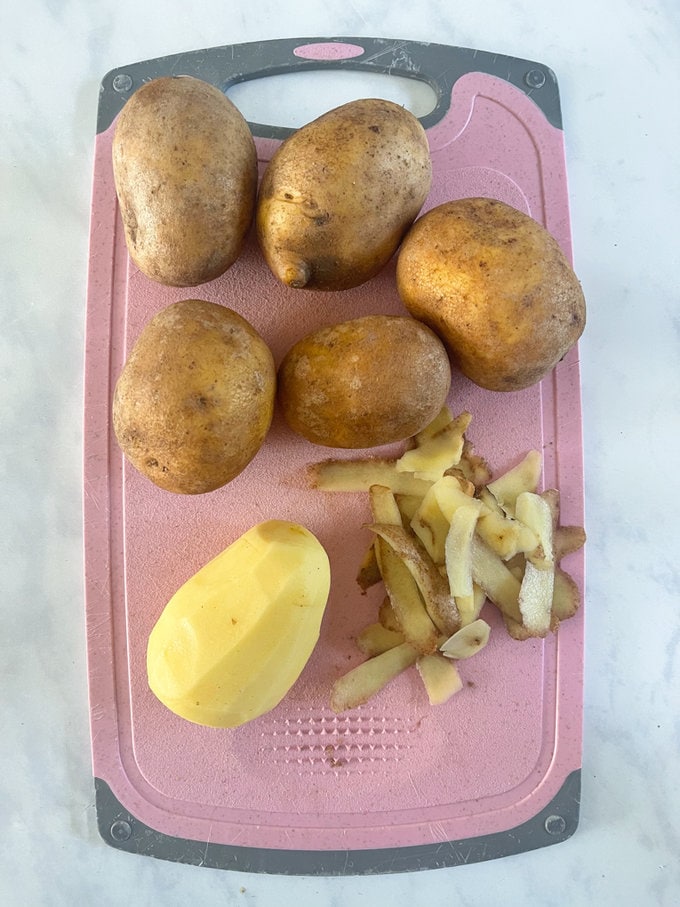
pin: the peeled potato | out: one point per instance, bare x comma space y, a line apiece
365, 382
225, 650
496, 287
339, 194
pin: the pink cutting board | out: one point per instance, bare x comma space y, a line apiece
396, 784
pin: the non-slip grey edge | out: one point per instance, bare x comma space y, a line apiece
439, 65
552, 825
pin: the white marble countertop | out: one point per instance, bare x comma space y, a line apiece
617, 65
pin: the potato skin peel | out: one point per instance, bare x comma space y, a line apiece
497, 289
185, 170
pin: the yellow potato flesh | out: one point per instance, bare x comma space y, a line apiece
236, 636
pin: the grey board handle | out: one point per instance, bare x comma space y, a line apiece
439, 65
554, 824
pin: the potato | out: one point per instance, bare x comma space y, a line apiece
496, 287
195, 399
365, 382
225, 651
185, 169
339, 194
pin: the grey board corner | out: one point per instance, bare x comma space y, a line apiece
555, 823
439, 65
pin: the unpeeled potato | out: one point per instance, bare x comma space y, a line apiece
185, 170
339, 194
195, 399
496, 287
364, 382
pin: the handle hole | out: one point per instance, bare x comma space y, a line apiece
294, 98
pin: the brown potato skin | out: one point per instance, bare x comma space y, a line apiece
195, 399
496, 287
365, 382
339, 194
185, 170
